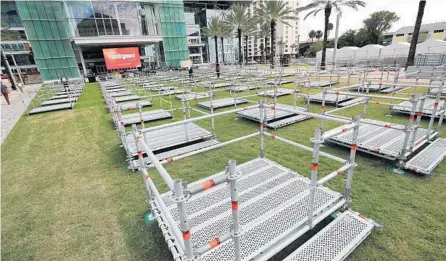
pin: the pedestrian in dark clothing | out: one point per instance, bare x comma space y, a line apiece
191, 72
217, 70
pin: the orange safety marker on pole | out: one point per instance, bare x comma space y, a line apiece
208, 184
215, 242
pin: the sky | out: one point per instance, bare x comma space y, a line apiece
435, 11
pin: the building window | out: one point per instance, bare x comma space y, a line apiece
398, 35
439, 31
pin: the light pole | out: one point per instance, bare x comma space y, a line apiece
336, 39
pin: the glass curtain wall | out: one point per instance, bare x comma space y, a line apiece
47, 31
97, 18
10, 17
173, 29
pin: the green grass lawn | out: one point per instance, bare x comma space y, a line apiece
67, 196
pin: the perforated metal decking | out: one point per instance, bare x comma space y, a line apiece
221, 103
336, 241
147, 116
278, 92
429, 158
406, 107
330, 98
273, 202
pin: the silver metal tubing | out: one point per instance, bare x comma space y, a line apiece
434, 111
232, 177
195, 119
348, 184
314, 115
213, 243
368, 95
301, 146
409, 85
337, 131
154, 160
180, 199
317, 140
333, 174
206, 185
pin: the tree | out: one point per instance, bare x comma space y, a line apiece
273, 12
327, 6
249, 29
347, 39
319, 34
237, 19
226, 32
312, 35
330, 28
378, 23
362, 38
214, 29
264, 32
416, 32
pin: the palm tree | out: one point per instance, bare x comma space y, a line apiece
312, 35
248, 29
273, 12
294, 47
236, 20
226, 32
330, 28
416, 32
319, 34
264, 32
214, 29
327, 6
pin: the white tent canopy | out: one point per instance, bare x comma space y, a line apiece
431, 46
395, 50
328, 56
371, 51
346, 53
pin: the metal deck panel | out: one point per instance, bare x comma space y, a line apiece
336, 241
246, 88
430, 157
127, 98
119, 94
271, 114
286, 121
56, 107
318, 84
116, 90
58, 101
217, 85
372, 87
406, 107
168, 137
330, 98
178, 151
354, 101
279, 82
279, 92
221, 103
133, 105
147, 116
390, 90
193, 96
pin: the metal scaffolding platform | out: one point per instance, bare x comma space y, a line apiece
336, 241
273, 204
246, 88
167, 138
429, 158
372, 87
58, 101
353, 101
406, 107
49, 108
330, 98
147, 116
119, 94
279, 82
176, 152
380, 141
127, 98
217, 85
279, 92
115, 90
133, 105
316, 84
221, 103
275, 118
390, 90
193, 96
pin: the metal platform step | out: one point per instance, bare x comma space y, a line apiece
221, 103
127, 98
352, 102
406, 107
49, 108
286, 121
193, 96
119, 94
372, 87
336, 241
167, 137
133, 105
319, 84
273, 204
58, 101
429, 158
147, 116
279, 92
330, 98
279, 82
177, 152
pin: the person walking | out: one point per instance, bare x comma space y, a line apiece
217, 70
191, 72
5, 91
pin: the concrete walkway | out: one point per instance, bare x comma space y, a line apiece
10, 114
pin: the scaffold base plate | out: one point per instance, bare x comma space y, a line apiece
168, 137
336, 241
427, 159
147, 116
273, 203
221, 103
49, 108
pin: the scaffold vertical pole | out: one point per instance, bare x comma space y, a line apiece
140, 115
180, 199
407, 131
417, 123
235, 211
317, 140
440, 120
262, 134
321, 123
434, 110
348, 183
364, 112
